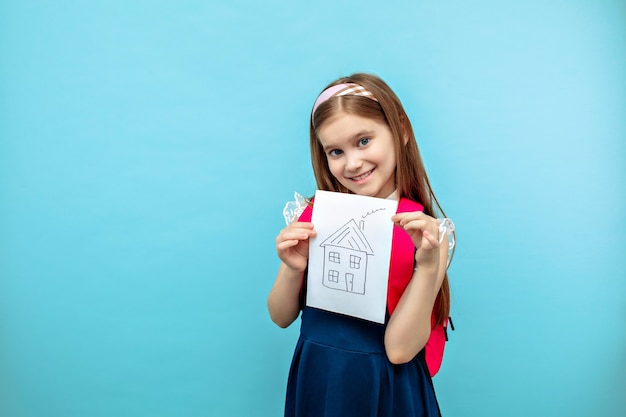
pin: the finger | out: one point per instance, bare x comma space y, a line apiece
286, 244
302, 225
403, 218
431, 240
296, 234
414, 225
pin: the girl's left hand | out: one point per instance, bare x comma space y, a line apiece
424, 232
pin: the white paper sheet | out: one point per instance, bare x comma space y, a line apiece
349, 257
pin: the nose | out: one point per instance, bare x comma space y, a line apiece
353, 161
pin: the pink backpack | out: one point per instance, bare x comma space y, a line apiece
436, 344
400, 272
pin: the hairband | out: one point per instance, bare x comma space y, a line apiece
347, 89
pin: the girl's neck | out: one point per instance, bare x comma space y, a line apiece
393, 196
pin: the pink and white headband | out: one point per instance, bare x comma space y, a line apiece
346, 89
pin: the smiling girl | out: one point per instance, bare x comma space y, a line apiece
362, 143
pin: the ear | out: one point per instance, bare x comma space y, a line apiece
406, 138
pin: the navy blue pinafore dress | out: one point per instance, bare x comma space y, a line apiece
340, 369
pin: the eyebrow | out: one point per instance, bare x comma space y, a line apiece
351, 138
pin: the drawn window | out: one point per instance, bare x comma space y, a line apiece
333, 276
355, 262
333, 257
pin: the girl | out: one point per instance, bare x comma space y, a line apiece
362, 142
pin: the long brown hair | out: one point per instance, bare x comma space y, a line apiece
411, 178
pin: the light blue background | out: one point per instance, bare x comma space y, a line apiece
147, 149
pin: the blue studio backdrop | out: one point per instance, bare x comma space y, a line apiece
147, 149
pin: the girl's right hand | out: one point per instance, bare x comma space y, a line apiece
292, 245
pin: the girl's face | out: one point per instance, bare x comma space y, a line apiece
360, 154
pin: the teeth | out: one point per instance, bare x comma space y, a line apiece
360, 177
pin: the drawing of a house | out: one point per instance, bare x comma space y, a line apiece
345, 259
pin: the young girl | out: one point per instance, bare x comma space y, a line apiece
362, 142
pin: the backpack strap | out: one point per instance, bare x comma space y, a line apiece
306, 216
402, 259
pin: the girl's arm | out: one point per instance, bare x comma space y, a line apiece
284, 299
292, 246
409, 326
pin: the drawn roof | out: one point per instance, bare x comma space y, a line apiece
349, 236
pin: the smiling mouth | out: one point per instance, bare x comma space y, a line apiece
362, 176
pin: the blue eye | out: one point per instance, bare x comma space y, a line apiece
364, 141
335, 152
